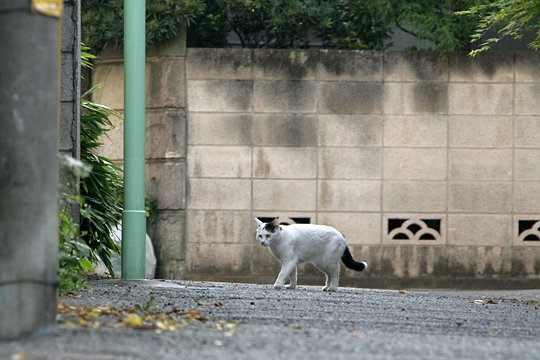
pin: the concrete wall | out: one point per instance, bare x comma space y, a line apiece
69, 127
165, 142
426, 162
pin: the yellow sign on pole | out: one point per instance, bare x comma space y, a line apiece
48, 7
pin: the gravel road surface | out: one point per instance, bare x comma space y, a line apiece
132, 320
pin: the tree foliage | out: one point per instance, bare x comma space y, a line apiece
103, 25
504, 18
340, 24
436, 21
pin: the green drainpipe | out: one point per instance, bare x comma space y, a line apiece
134, 219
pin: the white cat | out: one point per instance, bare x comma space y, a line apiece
320, 245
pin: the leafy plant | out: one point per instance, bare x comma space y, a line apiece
436, 21
74, 255
103, 20
93, 186
359, 25
341, 24
147, 305
504, 18
101, 191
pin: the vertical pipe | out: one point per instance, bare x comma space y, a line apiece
133, 217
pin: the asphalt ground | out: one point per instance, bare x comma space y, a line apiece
203, 320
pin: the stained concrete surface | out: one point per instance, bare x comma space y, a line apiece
305, 323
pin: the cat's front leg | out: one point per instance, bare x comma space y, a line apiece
292, 279
286, 269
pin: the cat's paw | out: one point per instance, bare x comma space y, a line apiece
292, 287
329, 289
278, 287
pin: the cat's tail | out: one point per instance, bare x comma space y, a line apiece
350, 263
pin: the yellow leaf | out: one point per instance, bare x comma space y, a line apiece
224, 325
133, 320
95, 325
69, 325
162, 325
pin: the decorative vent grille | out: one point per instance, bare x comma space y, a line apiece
286, 220
403, 229
528, 230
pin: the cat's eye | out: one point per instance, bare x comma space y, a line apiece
267, 236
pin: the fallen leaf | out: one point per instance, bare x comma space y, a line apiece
69, 316
195, 315
69, 325
133, 320
21, 355
224, 325
297, 326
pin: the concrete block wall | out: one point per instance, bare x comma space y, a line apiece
165, 142
69, 127
426, 162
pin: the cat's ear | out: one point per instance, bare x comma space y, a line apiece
258, 222
272, 226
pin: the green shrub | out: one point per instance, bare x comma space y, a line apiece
93, 186
74, 256
101, 190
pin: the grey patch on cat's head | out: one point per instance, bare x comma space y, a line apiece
272, 226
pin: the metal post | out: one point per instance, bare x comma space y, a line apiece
133, 219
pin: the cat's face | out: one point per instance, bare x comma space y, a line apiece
267, 232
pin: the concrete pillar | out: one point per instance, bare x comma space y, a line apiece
28, 167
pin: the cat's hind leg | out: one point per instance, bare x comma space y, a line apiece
286, 269
332, 278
